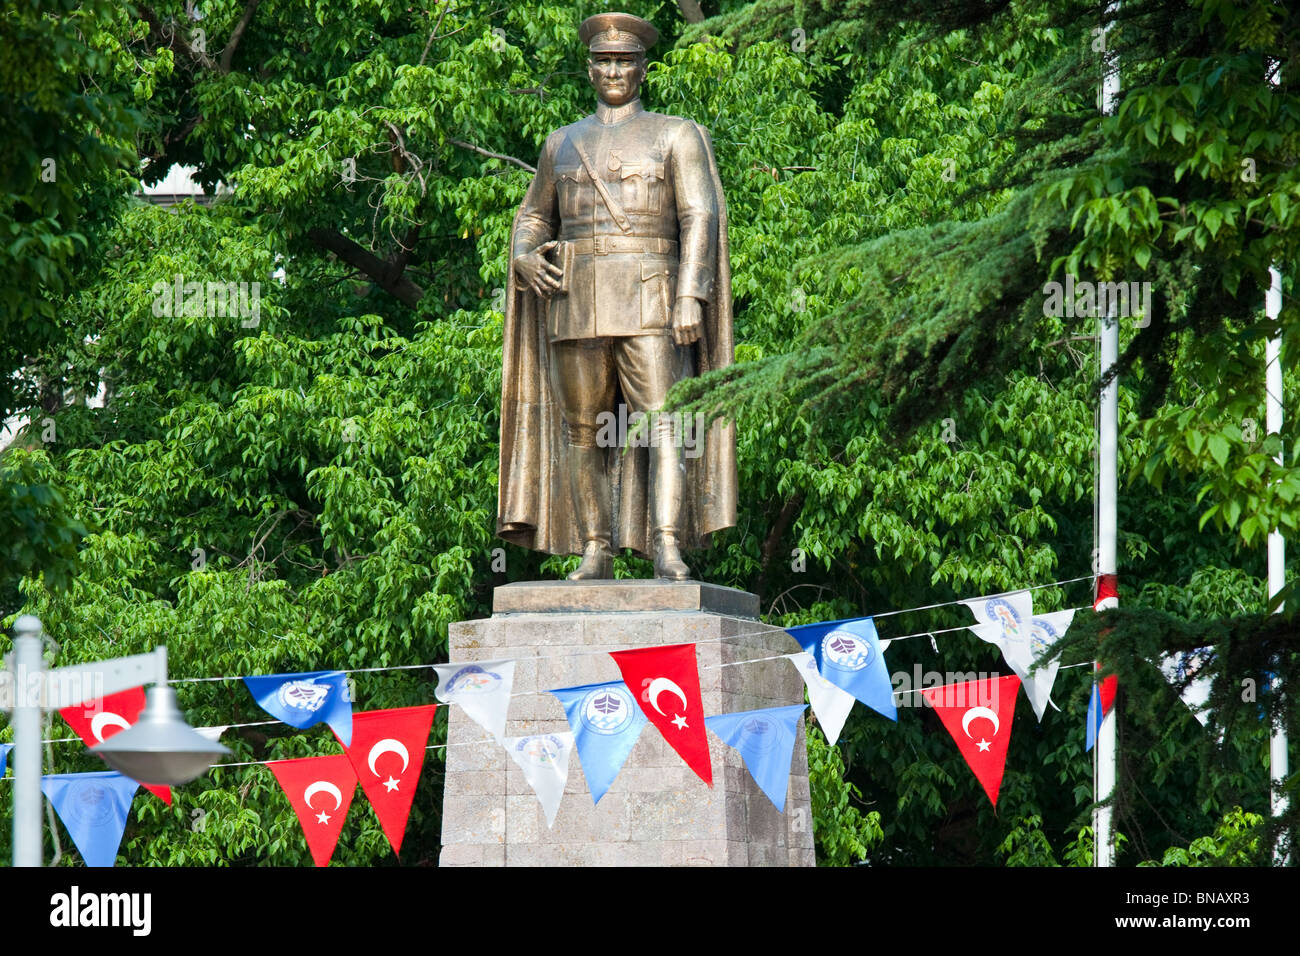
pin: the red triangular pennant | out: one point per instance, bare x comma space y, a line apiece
321, 790
978, 714
1107, 597
96, 720
666, 682
387, 754
1109, 686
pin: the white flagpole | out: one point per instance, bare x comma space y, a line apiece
1107, 499
1277, 762
1278, 768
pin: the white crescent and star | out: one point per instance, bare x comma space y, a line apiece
107, 719
322, 786
974, 713
389, 745
657, 687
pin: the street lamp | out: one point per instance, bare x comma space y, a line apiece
160, 748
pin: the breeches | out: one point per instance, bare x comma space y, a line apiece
585, 372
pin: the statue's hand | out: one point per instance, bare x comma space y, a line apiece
688, 320
537, 272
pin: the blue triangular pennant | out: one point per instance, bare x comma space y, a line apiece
4, 757
765, 741
93, 808
848, 655
606, 724
303, 700
1094, 717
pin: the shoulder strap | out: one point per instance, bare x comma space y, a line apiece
659, 144
615, 209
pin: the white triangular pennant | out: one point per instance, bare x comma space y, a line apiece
481, 688
1008, 622
1045, 631
544, 759
1179, 667
829, 703
213, 733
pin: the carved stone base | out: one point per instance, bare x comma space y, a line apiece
658, 812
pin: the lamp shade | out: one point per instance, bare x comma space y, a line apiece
160, 748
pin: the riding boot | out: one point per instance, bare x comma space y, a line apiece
668, 486
590, 490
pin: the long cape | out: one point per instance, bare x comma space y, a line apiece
534, 507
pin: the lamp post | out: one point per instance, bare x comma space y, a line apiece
159, 748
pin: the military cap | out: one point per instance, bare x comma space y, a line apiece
617, 33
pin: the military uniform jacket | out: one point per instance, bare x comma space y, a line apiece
622, 279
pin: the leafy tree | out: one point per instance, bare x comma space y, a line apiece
312, 485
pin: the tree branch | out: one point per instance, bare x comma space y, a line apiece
387, 274
691, 10
773, 541
487, 152
171, 37
228, 54
441, 13
408, 158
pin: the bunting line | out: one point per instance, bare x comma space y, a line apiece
707, 667
473, 743
767, 629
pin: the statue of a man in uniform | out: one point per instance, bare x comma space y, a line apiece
619, 287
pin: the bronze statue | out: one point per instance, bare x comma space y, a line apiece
619, 287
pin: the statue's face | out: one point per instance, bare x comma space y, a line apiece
616, 76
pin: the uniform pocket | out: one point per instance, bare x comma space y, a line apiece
643, 187
569, 184
658, 289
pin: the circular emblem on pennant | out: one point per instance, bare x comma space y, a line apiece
93, 806
543, 750
808, 667
1042, 637
845, 651
607, 710
473, 679
1005, 614
303, 695
758, 735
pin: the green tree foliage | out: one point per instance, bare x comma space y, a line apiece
844, 833
1235, 842
313, 485
68, 91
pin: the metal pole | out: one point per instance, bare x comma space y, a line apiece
1278, 765
1277, 756
1107, 561
29, 681
1107, 498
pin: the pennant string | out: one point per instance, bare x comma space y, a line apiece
929, 607
766, 629
769, 629
467, 743
352, 670
919, 690
255, 723
904, 637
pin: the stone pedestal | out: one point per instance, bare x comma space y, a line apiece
658, 812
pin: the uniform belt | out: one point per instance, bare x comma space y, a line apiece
604, 245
